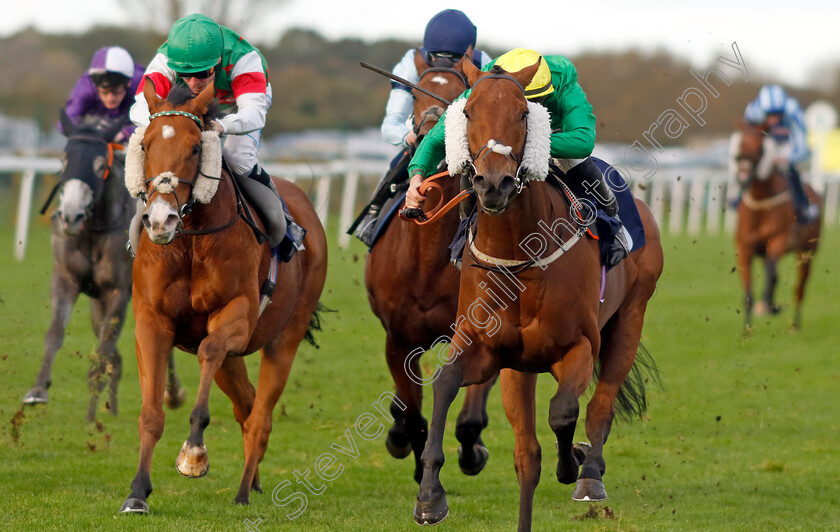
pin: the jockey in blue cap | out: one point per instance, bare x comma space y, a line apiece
448, 36
784, 119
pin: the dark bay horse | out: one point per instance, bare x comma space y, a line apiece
89, 230
524, 315
766, 223
413, 290
198, 274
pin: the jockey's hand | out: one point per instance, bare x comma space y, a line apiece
215, 125
119, 137
413, 198
410, 138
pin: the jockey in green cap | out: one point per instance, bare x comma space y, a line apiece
198, 52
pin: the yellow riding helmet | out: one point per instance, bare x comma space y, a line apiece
519, 58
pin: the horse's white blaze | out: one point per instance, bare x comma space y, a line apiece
76, 195
168, 132
440, 80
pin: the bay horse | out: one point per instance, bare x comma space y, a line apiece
525, 316
89, 232
413, 290
766, 223
198, 274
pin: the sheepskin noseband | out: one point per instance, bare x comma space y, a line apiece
535, 156
209, 168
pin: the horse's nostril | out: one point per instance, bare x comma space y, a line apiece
146, 223
507, 185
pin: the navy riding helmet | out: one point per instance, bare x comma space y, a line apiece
449, 31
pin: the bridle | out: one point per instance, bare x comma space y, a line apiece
518, 182
435, 112
187, 207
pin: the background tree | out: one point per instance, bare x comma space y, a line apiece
158, 15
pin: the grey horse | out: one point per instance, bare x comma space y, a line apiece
89, 233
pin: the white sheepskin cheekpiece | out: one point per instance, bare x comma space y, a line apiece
535, 156
209, 165
455, 138
537, 144
135, 164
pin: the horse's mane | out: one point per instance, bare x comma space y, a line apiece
181, 94
95, 126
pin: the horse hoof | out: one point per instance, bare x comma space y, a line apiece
176, 400
431, 513
395, 450
589, 490
133, 505
471, 470
36, 396
192, 460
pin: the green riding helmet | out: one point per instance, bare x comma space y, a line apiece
194, 44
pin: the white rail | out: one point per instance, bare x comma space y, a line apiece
693, 200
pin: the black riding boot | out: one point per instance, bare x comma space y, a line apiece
256, 186
594, 183
805, 211
387, 188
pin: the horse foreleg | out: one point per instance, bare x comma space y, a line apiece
228, 332
769, 305
572, 372
410, 428
275, 366
431, 506
63, 294
745, 256
152, 343
803, 267
108, 316
472, 455
175, 395
518, 399
232, 378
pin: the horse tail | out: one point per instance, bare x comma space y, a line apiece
315, 324
631, 400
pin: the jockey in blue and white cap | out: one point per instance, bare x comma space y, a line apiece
786, 124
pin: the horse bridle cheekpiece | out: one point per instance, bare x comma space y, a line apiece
535, 154
204, 184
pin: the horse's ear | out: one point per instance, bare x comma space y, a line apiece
66, 123
149, 92
472, 72
202, 101
525, 75
419, 61
466, 58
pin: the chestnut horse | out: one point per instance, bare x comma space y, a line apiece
201, 292
89, 231
766, 223
525, 316
413, 290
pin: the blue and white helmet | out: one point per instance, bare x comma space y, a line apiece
772, 98
753, 114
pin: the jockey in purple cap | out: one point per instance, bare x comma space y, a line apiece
105, 90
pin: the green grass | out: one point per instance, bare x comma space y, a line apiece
742, 437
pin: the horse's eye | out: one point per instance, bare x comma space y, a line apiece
196, 149
142, 147
466, 114
525, 115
